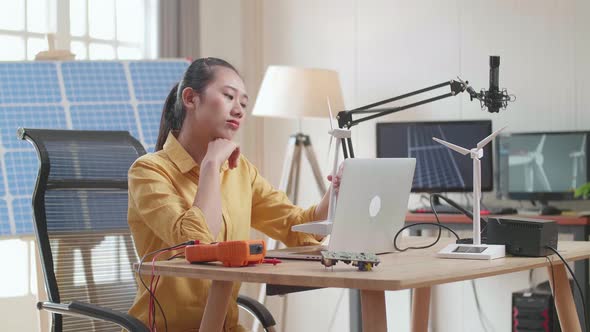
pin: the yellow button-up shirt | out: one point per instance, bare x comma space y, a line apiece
162, 188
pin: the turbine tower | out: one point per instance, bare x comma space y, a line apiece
476, 154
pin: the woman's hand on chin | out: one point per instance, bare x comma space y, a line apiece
221, 149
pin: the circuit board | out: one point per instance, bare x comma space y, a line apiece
363, 261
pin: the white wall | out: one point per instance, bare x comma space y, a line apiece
19, 285
383, 48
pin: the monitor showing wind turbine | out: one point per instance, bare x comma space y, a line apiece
542, 166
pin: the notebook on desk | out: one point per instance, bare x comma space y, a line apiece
371, 208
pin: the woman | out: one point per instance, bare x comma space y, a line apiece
197, 186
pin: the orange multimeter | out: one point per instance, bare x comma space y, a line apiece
230, 253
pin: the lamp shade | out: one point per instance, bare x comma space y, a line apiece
292, 92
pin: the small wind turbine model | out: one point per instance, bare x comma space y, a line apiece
477, 250
325, 227
339, 134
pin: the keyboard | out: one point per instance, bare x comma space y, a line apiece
439, 209
446, 209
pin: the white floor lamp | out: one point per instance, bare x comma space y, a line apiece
297, 93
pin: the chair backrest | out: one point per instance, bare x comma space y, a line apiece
80, 212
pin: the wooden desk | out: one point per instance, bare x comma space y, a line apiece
461, 219
418, 269
579, 227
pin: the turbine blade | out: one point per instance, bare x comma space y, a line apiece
543, 176
519, 160
486, 140
329, 150
330, 111
452, 146
541, 144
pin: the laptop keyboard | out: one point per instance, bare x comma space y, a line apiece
316, 252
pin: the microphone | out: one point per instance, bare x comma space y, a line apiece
493, 100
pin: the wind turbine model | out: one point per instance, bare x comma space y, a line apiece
477, 250
533, 164
325, 227
578, 158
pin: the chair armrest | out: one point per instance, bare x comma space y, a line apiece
258, 310
91, 311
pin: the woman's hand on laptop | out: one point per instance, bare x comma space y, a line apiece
336, 179
321, 211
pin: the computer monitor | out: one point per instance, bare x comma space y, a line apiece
438, 168
542, 166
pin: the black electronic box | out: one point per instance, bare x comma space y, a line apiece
523, 236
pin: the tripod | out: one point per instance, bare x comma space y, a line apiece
292, 166
290, 185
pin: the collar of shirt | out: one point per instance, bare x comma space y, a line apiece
181, 158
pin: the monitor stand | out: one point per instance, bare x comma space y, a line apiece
546, 209
542, 208
445, 208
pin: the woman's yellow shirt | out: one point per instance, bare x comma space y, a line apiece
162, 188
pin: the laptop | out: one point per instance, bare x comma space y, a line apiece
371, 208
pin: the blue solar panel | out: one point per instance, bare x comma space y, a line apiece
23, 215
96, 95
2, 190
436, 166
150, 115
21, 172
95, 81
29, 83
13, 117
153, 81
4, 220
104, 117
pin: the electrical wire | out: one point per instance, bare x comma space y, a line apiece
552, 277
585, 313
423, 197
152, 295
457, 206
482, 317
154, 286
438, 224
423, 247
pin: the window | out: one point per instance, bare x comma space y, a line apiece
108, 29
23, 25
91, 29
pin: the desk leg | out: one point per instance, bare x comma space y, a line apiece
564, 301
420, 309
216, 307
373, 311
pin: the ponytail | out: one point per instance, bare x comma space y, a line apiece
167, 121
197, 76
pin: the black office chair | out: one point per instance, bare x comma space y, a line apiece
80, 212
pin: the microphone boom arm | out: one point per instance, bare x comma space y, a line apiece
345, 117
